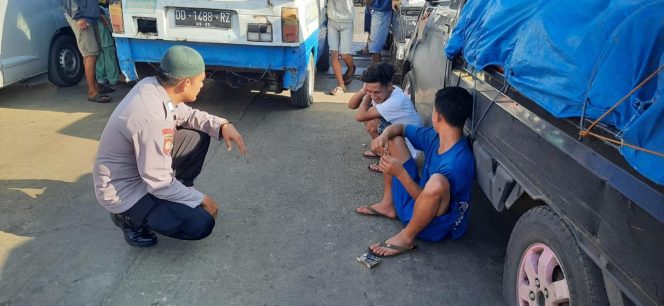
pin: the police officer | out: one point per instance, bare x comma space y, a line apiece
152, 149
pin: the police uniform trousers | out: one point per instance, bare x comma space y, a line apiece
173, 219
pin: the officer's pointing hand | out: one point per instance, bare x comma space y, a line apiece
230, 135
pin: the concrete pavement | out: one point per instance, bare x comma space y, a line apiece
286, 232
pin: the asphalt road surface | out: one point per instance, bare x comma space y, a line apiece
286, 233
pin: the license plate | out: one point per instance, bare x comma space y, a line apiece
205, 18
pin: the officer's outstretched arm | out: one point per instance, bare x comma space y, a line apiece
230, 135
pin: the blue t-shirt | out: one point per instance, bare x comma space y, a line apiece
382, 5
456, 164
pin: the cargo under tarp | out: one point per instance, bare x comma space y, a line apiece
576, 57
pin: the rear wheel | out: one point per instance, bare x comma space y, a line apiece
303, 97
545, 266
65, 64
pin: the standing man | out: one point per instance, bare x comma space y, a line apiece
83, 16
340, 15
435, 206
152, 149
381, 18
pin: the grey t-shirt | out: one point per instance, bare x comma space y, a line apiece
340, 10
134, 155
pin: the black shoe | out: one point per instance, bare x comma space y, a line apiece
142, 237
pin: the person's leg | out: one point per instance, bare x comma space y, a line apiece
372, 127
170, 218
333, 45
399, 150
345, 47
189, 150
380, 27
179, 221
432, 202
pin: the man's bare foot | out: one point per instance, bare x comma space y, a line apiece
399, 240
386, 210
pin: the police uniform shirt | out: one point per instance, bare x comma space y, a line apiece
134, 155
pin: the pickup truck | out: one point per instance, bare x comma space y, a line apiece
276, 42
591, 227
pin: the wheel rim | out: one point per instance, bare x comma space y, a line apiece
541, 279
68, 62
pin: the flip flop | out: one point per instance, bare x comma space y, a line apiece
100, 98
348, 76
105, 90
401, 249
377, 170
374, 212
370, 155
335, 91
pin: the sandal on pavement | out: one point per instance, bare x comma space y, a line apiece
105, 90
348, 76
336, 91
401, 249
375, 168
100, 98
374, 212
370, 155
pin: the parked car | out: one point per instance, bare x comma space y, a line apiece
276, 42
35, 38
590, 225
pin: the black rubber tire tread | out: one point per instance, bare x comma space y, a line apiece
57, 76
323, 63
301, 97
542, 225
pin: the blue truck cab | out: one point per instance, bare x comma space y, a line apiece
276, 42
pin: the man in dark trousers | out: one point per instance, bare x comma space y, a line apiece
152, 149
83, 18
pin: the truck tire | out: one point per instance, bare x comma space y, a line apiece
545, 266
303, 97
323, 63
65, 64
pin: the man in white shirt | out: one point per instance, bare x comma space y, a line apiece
379, 104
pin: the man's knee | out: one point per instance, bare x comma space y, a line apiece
202, 225
437, 185
372, 126
193, 140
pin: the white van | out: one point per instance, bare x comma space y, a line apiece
35, 38
277, 42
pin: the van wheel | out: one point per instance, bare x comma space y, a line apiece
65, 64
303, 97
545, 266
323, 63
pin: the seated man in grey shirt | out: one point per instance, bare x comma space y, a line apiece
153, 147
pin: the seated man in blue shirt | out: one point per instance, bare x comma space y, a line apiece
435, 206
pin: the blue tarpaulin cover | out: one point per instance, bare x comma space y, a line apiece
566, 54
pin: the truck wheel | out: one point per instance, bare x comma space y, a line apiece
303, 97
408, 84
65, 64
545, 266
323, 63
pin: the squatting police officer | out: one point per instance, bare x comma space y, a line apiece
153, 147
